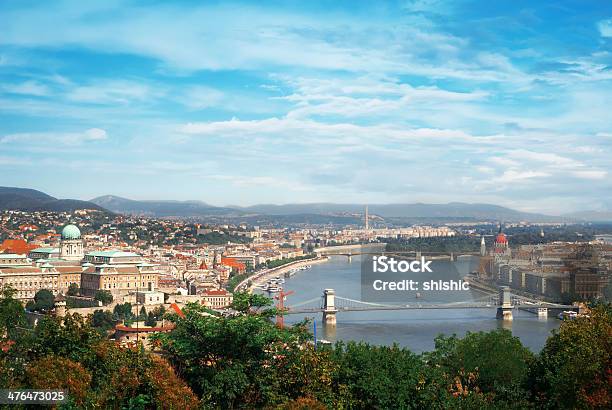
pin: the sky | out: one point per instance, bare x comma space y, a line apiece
238, 103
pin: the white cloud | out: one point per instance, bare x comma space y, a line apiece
112, 92
515, 176
605, 28
200, 97
313, 132
92, 134
371, 97
27, 88
216, 37
590, 174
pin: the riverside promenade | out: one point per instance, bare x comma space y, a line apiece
263, 275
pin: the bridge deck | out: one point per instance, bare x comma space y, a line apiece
290, 311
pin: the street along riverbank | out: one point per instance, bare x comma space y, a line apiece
263, 276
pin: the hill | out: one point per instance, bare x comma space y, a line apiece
417, 210
317, 212
162, 208
23, 199
591, 216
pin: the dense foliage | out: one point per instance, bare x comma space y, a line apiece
285, 261
441, 244
44, 301
103, 296
69, 354
243, 360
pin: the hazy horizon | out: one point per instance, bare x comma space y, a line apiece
430, 101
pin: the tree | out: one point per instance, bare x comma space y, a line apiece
494, 363
123, 312
143, 313
59, 373
102, 319
73, 289
245, 302
68, 353
230, 361
575, 366
159, 312
44, 300
103, 296
383, 377
12, 315
150, 321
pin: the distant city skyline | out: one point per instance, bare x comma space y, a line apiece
246, 103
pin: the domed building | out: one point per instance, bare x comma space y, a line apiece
501, 249
71, 244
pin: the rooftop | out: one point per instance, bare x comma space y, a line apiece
45, 250
112, 254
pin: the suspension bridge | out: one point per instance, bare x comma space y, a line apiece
329, 304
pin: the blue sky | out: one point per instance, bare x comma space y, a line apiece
504, 102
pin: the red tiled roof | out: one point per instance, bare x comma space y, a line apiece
213, 292
231, 262
178, 310
68, 269
18, 246
22, 270
124, 328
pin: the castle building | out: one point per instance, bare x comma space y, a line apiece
117, 272
54, 269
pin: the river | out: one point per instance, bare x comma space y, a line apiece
414, 329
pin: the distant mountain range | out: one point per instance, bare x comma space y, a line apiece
32, 200
304, 212
591, 216
418, 210
162, 208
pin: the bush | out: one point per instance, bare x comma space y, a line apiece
44, 300
574, 370
73, 290
104, 296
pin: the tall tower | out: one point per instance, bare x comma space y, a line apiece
483, 246
366, 218
71, 244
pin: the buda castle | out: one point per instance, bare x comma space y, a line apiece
56, 268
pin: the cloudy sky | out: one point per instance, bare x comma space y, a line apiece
505, 102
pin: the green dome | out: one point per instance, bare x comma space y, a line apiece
71, 232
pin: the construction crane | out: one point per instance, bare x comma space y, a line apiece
280, 306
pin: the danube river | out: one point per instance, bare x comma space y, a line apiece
415, 329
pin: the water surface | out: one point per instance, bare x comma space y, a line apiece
415, 329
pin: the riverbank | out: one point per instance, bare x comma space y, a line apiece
266, 274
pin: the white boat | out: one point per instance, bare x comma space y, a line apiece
264, 286
568, 314
274, 289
